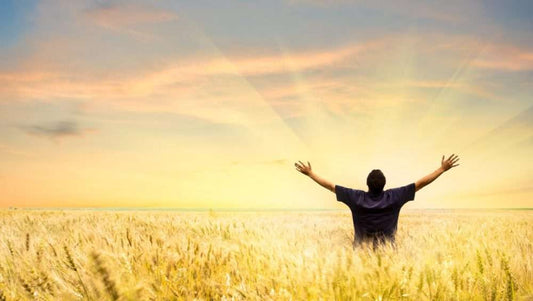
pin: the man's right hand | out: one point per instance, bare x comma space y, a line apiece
449, 163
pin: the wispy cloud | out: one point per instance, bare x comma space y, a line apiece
128, 18
342, 75
506, 58
273, 162
513, 130
14, 152
58, 84
56, 130
445, 11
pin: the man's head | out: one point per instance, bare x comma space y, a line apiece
375, 181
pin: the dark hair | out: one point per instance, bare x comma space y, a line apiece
375, 181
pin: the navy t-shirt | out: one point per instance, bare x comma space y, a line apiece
375, 215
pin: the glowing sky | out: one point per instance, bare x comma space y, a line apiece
207, 104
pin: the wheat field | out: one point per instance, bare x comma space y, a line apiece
173, 255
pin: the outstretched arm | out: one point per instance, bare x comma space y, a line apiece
444, 166
307, 170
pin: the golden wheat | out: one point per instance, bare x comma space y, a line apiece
158, 255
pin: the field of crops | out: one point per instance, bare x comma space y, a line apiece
173, 255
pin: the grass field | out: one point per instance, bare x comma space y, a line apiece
172, 255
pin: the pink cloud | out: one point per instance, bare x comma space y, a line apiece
445, 11
117, 17
506, 58
129, 18
191, 85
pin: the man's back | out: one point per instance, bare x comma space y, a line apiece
375, 216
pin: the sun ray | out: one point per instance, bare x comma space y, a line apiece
273, 122
444, 100
514, 130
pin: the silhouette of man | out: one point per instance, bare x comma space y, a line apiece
375, 213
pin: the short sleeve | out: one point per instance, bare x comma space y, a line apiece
342, 193
346, 195
405, 193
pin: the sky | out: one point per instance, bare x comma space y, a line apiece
208, 104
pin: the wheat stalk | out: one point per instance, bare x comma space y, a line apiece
106, 279
72, 265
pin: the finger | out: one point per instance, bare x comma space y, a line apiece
301, 163
308, 164
451, 157
442, 160
455, 165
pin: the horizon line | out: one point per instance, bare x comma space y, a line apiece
203, 209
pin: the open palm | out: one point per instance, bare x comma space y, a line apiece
301, 167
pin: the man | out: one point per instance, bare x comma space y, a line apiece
375, 213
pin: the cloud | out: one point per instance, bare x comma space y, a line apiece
447, 11
116, 16
289, 63
506, 58
56, 130
273, 162
5, 149
249, 66
128, 18
44, 84
232, 87
513, 130
212, 88
183, 75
